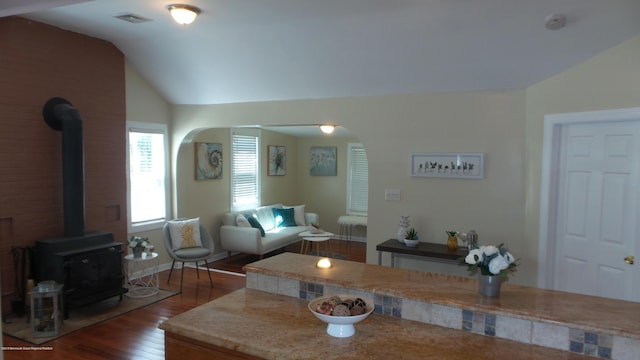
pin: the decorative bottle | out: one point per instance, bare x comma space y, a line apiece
452, 241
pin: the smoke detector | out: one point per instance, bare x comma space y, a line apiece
555, 21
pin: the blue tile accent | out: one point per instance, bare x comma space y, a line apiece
590, 338
590, 343
467, 315
604, 352
310, 291
576, 347
378, 309
490, 320
489, 330
467, 325
396, 312
590, 349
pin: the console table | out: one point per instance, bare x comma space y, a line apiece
428, 250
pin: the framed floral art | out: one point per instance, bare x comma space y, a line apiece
324, 161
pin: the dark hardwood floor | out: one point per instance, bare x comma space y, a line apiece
135, 335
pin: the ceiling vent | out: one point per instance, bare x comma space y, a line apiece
132, 18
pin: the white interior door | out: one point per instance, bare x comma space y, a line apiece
597, 209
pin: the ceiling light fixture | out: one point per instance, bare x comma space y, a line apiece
183, 14
327, 129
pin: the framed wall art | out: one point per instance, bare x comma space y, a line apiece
208, 161
448, 165
324, 161
277, 162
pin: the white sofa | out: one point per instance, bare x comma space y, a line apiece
234, 238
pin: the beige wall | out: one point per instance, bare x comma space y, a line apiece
610, 80
504, 125
324, 195
144, 104
390, 128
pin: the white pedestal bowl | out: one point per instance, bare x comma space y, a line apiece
341, 326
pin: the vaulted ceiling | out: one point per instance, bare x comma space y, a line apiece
266, 50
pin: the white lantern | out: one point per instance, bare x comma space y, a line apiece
46, 309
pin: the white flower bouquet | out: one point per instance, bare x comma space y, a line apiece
491, 260
137, 242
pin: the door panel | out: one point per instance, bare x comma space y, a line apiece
597, 209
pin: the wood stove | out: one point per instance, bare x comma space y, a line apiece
88, 264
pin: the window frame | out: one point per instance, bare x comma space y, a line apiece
350, 168
257, 134
152, 128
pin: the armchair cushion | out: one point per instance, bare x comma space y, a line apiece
185, 233
192, 253
284, 217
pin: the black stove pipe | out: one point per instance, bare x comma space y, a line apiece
60, 115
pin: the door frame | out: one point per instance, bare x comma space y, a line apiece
549, 179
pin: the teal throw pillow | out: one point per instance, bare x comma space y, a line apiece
284, 217
256, 224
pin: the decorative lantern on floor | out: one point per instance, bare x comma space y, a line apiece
46, 309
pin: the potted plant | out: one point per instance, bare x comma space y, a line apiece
137, 245
493, 262
411, 239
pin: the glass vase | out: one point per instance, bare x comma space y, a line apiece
137, 252
489, 285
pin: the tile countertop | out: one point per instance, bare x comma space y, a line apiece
615, 317
274, 326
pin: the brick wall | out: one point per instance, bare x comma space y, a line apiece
38, 62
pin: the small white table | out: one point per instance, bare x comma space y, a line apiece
142, 275
308, 238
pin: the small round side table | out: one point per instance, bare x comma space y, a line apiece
142, 275
308, 238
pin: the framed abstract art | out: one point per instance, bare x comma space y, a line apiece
277, 162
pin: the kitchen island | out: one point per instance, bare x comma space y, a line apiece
418, 315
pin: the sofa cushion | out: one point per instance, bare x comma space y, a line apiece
242, 221
185, 233
284, 217
256, 224
298, 213
264, 215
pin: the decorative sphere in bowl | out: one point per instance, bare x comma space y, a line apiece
341, 326
411, 243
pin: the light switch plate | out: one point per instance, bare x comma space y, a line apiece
392, 194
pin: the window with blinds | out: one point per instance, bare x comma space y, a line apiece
357, 180
245, 184
147, 191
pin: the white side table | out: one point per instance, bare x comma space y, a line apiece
142, 275
308, 236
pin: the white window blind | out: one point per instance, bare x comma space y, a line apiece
357, 180
147, 171
245, 186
